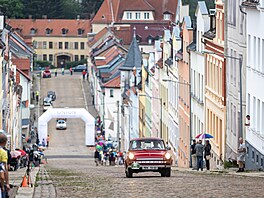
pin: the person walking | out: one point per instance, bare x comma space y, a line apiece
83, 73
71, 70
48, 139
199, 155
193, 153
242, 151
62, 71
43, 142
37, 96
33, 95
207, 154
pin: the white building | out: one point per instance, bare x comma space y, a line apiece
254, 83
198, 70
236, 47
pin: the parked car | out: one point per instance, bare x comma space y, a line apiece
79, 68
61, 124
52, 95
148, 154
47, 100
46, 74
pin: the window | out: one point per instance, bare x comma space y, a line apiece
51, 57
50, 45
129, 15
262, 55
261, 162
241, 25
262, 130
253, 155
249, 51
257, 158
76, 45
44, 57
60, 45
80, 31
64, 31
82, 57
48, 31
235, 68
137, 15
166, 16
44, 45
254, 113
76, 57
66, 45
32, 31
258, 115
146, 15
111, 93
82, 45
232, 14
258, 56
248, 105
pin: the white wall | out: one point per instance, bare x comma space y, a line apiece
25, 96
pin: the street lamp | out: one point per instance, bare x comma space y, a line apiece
140, 94
190, 98
240, 84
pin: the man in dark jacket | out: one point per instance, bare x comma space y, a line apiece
193, 153
199, 154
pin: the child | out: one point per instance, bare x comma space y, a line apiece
96, 157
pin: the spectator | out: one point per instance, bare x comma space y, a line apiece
48, 139
199, 155
56, 72
37, 96
4, 166
71, 70
83, 73
193, 153
242, 150
207, 154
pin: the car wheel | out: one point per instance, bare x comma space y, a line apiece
168, 172
129, 173
163, 173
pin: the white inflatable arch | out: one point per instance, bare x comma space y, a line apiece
67, 113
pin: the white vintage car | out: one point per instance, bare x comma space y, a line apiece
61, 124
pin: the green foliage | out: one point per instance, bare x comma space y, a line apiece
90, 7
12, 8
228, 164
43, 64
193, 5
75, 63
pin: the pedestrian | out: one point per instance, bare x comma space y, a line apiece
242, 150
62, 71
56, 72
43, 142
87, 75
96, 157
83, 73
48, 139
37, 96
207, 154
71, 70
5, 187
193, 154
33, 95
199, 155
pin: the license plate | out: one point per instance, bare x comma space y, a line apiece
135, 166
150, 168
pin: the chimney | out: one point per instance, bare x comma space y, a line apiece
30, 16
212, 13
44, 17
78, 17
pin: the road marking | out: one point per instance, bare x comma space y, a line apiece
85, 101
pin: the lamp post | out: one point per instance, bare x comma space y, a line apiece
240, 85
190, 98
160, 110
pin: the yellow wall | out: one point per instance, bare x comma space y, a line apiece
98, 27
55, 51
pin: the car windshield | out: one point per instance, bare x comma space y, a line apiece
147, 144
61, 121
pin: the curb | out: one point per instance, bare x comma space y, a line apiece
28, 192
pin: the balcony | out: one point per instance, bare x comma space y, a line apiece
250, 3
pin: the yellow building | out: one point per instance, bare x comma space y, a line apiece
55, 40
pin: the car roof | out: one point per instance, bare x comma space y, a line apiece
47, 99
51, 92
61, 120
146, 138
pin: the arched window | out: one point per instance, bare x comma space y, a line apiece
33, 31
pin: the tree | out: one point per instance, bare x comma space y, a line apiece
90, 7
71, 9
12, 8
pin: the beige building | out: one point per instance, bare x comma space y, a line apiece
55, 40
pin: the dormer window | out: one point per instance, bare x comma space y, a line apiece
137, 15
138, 38
150, 39
18, 30
33, 31
48, 31
64, 31
80, 31
167, 15
103, 16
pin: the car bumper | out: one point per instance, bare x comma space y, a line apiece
61, 128
141, 166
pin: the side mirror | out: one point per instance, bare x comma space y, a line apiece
168, 148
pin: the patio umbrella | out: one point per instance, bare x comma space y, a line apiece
204, 136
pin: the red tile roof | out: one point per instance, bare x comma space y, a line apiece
56, 25
23, 73
105, 15
97, 37
113, 83
22, 64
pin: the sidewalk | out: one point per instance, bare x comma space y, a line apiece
224, 171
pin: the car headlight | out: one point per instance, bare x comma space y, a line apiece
167, 156
131, 156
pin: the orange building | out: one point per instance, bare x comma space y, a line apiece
215, 90
184, 93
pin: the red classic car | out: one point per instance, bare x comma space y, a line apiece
46, 74
148, 154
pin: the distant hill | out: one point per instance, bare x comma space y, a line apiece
193, 5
